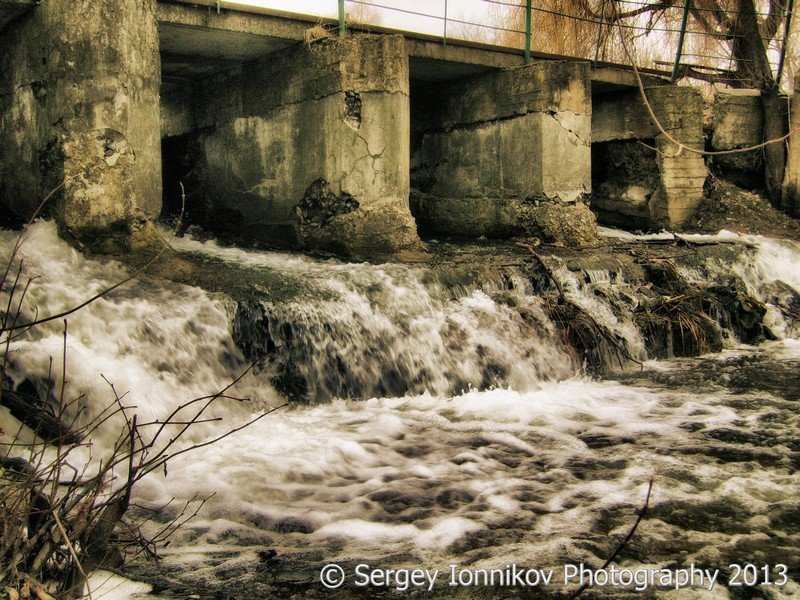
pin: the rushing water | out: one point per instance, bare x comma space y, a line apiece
455, 428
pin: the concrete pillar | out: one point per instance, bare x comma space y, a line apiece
80, 82
506, 153
679, 110
790, 201
738, 122
309, 148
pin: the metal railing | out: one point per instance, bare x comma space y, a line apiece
672, 37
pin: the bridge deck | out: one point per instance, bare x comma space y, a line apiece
197, 41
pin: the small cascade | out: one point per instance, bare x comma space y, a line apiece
767, 272
440, 416
607, 300
339, 330
365, 331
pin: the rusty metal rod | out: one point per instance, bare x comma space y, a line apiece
684, 19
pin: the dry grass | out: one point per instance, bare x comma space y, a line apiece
316, 33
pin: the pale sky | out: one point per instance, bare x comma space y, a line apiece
475, 11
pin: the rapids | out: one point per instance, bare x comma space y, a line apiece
440, 424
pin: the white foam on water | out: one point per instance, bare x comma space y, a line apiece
583, 296
522, 471
771, 262
161, 344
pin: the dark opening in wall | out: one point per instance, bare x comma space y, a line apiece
745, 169
624, 178
423, 105
179, 167
8, 217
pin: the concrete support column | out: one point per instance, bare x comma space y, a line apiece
679, 110
790, 201
506, 153
80, 86
309, 148
738, 122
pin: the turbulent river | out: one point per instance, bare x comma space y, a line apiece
441, 426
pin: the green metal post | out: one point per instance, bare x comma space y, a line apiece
528, 10
444, 40
684, 20
788, 24
342, 25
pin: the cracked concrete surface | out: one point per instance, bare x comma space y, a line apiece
82, 90
502, 154
339, 116
573, 123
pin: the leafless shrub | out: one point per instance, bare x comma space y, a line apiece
64, 511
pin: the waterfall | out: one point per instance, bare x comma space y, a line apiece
439, 415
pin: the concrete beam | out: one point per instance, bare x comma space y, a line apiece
620, 115
234, 18
183, 21
197, 42
607, 78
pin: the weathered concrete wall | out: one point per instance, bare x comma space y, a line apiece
737, 119
11, 9
640, 187
620, 116
679, 110
79, 85
625, 176
178, 111
738, 122
505, 153
790, 200
624, 172
309, 148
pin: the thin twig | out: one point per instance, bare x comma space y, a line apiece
624, 542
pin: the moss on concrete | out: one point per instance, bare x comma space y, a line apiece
241, 283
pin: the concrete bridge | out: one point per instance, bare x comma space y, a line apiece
284, 135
